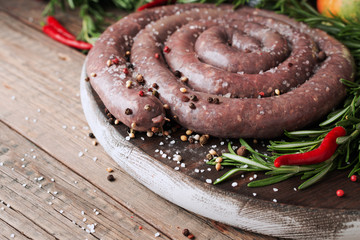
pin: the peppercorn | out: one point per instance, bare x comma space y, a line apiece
262, 94
185, 98
166, 106
111, 178
353, 178
155, 93
115, 61
340, 193
210, 100
290, 64
154, 85
193, 98
91, 135
141, 93
203, 139
216, 101
117, 121
218, 166
186, 232
109, 169
184, 79
127, 53
156, 56
242, 151
183, 138
167, 49
209, 156
111, 120
188, 132
177, 74
139, 78
94, 142
126, 71
93, 74
109, 63
130, 65
191, 140
128, 111
321, 56
183, 90
106, 110
147, 107
191, 236
150, 89
87, 79
192, 105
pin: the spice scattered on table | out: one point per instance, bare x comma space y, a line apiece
340, 193
110, 178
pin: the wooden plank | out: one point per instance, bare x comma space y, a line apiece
39, 99
46, 200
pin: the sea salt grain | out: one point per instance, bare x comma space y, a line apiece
157, 234
274, 200
275, 189
254, 194
81, 154
208, 181
234, 184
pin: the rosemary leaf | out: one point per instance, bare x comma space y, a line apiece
270, 180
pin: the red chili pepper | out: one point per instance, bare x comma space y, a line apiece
322, 153
155, 3
53, 22
50, 31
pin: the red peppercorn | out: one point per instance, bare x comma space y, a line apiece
157, 55
167, 49
340, 193
150, 89
353, 178
126, 71
141, 93
115, 61
262, 94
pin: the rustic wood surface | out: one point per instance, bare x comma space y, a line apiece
53, 181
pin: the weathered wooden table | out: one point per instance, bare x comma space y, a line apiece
53, 180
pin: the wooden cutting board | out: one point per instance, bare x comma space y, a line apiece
278, 210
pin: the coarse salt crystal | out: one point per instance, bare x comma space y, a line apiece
275, 189
182, 165
274, 200
234, 184
176, 168
81, 154
254, 194
196, 170
208, 181
157, 234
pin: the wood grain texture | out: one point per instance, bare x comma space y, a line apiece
39, 101
237, 209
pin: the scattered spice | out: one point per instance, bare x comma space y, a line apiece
216, 101
128, 83
87, 79
127, 53
193, 98
111, 120
154, 85
290, 64
203, 139
147, 107
340, 193
139, 78
128, 111
191, 140
192, 105
109, 169
109, 63
262, 94
183, 138
184, 79
131, 135
241, 151
353, 178
110, 178
156, 56
126, 71
115, 61
166, 106
185, 98
177, 74
141, 93
186, 232
167, 49
149, 133
94, 142
117, 121
277, 91
210, 100
326, 149
191, 236
93, 74
91, 135
133, 125
218, 159
188, 132
213, 152
183, 90
209, 156
155, 93
218, 166
140, 227
321, 56
155, 129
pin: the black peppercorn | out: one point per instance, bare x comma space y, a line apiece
216, 101
210, 100
128, 111
91, 135
185, 98
186, 232
177, 74
192, 106
193, 98
111, 178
